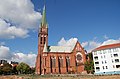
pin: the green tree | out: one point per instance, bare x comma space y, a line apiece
32, 70
90, 56
6, 68
23, 68
89, 65
14, 70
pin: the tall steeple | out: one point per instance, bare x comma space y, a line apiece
42, 42
44, 21
43, 33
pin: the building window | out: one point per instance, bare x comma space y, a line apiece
115, 55
102, 62
111, 55
44, 40
100, 52
95, 53
101, 56
103, 68
106, 67
109, 50
104, 56
116, 60
44, 61
104, 51
96, 62
113, 66
53, 60
115, 50
96, 57
79, 57
117, 66
68, 61
97, 68
105, 61
41, 40
112, 61
61, 61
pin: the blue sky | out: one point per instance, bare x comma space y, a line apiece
84, 19
92, 22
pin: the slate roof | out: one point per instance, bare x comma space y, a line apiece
57, 49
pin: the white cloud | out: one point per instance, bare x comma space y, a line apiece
7, 31
90, 45
111, 41
5, 53
27, 58
84, 44
69, 42
105, 37
17, 15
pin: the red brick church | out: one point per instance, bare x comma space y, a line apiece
57, 59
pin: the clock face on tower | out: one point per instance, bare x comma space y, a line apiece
79, 57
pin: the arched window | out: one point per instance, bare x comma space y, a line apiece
53, 61
61, 61
44, 40
68, 61
45, 61
40, 40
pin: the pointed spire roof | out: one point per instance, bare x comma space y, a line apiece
44, 21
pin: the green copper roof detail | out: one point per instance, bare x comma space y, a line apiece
44, 21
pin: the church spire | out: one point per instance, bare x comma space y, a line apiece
44, 21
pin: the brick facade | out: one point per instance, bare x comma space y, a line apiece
58, 62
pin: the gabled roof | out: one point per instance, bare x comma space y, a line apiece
57, 49
107, 46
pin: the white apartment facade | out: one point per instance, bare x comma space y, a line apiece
107, 59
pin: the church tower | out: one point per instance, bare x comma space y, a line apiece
42, 40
